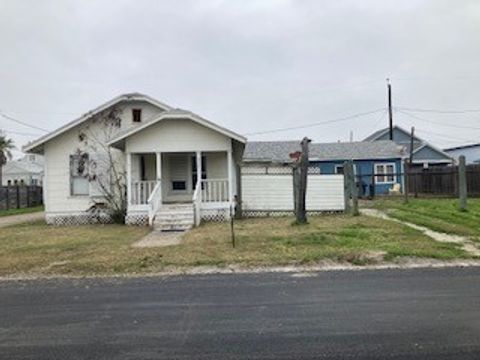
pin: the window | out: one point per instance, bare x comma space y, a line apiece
136, 115
194, 170
22, 182
179, 185
79, 184
9, 182
385, 173
34, 181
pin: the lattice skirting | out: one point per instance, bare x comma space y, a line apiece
77, 219
215, 214
136, 219
279, 213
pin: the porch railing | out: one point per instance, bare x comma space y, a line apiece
215, 190
154, 202
141, 191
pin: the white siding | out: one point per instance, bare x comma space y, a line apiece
177, 135
267, 192
275, 192
325, 192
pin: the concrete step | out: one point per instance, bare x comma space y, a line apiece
174, 221
175, 213
174, 217
172, 227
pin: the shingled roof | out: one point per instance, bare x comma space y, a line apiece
279, 151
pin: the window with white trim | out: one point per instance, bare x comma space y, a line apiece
385, 173
79, 184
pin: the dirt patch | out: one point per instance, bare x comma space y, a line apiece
467, 244
21, 218
160, 239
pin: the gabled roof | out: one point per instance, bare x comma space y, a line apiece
279, 151
462, 147
35, 145
379, 133
118, 140
418, 144
20, 167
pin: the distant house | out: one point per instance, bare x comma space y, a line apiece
25, 171
471, 153
424, 153
381, 158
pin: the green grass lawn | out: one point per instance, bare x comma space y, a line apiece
21, 211
437, 214
38, 249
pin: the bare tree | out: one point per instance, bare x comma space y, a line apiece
103, 165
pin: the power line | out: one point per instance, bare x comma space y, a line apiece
438, 111
377, 123
316, 123
437, 122
22, 122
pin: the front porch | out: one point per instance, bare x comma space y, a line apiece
204, 179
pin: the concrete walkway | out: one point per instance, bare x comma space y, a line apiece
21, 218
158, 238
466, 243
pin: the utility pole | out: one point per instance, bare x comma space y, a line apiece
412, 134
390, 112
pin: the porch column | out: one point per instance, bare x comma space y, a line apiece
129, 179
230, 175
159, 166
199, 167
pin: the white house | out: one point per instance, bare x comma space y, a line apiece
471, 153
180, 168
27, 170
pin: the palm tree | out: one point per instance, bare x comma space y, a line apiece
6, 147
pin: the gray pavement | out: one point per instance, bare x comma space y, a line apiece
383, 314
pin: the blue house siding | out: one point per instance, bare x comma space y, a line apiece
364, 171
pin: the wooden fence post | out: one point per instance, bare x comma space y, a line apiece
18, 197
346, 187
7, 198
405, 181
462, 183
353, 189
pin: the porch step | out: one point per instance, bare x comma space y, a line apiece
174, 217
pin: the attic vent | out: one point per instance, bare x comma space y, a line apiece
137, 115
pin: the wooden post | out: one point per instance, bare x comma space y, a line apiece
346, 187
230, 175
405, 181
296, 187
462, 183
238, 199
301, 211
374, 180
353, 189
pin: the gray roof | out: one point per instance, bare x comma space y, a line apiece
279, 151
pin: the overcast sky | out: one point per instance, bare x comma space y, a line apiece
251, 66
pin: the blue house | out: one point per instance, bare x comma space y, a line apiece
378, 165
424, 154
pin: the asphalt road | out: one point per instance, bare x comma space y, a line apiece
395, 314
